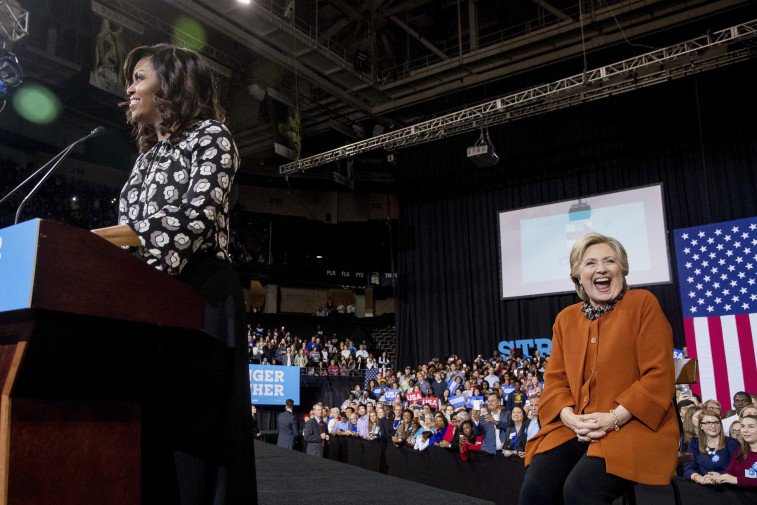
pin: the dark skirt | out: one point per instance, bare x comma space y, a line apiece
224, 472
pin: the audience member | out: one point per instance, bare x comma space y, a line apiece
712, 451
287, 426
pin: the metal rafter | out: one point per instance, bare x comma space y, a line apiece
554, 10
693, 56
14, 21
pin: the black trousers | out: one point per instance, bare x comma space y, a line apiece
567, 475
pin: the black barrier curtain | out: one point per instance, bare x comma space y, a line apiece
698, 136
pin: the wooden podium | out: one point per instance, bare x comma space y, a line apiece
104, 369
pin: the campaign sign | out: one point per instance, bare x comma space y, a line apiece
434, 402
377, 392
414, 396
678, 354
457, 401
453, 385
506, 390
475, 402
274, 384
391, 394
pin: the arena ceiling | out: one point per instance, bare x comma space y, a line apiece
356, 67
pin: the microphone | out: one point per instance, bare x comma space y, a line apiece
55, 162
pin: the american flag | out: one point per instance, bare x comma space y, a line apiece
717, 275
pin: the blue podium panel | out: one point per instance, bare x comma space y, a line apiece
18, 258
274, 384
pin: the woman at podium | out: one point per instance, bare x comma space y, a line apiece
174, 210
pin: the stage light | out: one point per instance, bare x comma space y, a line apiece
11, 74
246, 2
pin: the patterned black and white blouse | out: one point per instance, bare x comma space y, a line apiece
177, 197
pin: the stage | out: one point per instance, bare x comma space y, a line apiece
286, 477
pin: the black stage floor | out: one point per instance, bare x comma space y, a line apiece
291, 477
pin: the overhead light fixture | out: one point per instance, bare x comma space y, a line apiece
246, 2
482, 153
11, 74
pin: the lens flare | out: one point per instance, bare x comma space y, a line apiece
37, 104
189, 33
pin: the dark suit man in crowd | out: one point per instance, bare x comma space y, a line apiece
316, 434
287, 426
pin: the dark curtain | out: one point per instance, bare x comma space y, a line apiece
697, 136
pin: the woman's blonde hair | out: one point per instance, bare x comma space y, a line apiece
701, 434
578, 251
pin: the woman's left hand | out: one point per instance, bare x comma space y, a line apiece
605, 422
723, 478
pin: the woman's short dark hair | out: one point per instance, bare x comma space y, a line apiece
187, 91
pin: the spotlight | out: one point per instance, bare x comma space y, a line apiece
11, 74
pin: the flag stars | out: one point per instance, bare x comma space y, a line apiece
719, 247
694, 242
751, 282
693, 310
727, 238
705, 263
753, 297
718, 300
737, 244
692, 294
753, 226
733, 284
745, 306
716, 285
699, 286
748, 266
726, 292
706, 278
735, 298
739, 260
685, 236
708, 294
700, 301
723, 277
745, 235
718, 232
729, 253
687, 250
701, 234
697, 271
747, 250
712, 255
726, 307
709, 308
742, 291
690, 280
731, 268
741, 275
735, 229
688, 264
721, 262
695, 256
714, 270
703, 249
710, 240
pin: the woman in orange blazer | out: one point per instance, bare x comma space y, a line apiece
606, 411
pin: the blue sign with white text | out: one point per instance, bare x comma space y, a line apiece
274, 384
18, 258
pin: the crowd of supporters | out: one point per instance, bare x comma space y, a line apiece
317, 355
492, 406
61, 198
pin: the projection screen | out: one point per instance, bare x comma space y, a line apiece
535, 242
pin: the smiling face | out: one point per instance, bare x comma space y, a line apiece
749, 429
144, 83
710, 425
600, 274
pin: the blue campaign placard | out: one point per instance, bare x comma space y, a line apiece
18, 257
274, 384
506, 390
391, 394
457, 401
475, 402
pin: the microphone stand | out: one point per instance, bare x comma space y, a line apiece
56, 161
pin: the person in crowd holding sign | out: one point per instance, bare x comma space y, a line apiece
606, 423
515, 436
712, 451
174, 213
742, 470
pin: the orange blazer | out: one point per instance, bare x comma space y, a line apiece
634, 369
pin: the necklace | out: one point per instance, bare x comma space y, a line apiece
711, 451
591, 312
